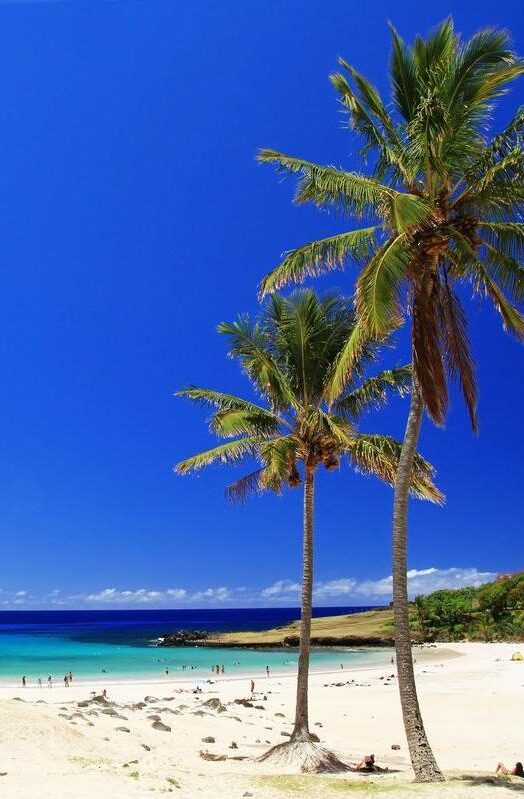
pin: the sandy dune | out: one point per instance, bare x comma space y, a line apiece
53, 748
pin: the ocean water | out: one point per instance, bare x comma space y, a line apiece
119, 645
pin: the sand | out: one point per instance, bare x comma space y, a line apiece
473, 704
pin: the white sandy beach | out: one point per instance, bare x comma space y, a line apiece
473, 706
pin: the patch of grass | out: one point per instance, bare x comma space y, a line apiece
304, 785
134, 775
89, 761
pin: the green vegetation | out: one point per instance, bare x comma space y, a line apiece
442, 204
492, 612
290, 354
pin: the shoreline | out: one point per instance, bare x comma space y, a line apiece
423, 654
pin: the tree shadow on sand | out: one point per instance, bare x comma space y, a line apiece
512, 784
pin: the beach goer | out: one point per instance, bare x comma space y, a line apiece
24, 681
222, 669
49, 682
66, 680
516, 771
267, 670
252, 686
104, 693
70, 675
39, 682
368, 764
167, 672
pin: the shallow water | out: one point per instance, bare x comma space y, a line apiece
116, 645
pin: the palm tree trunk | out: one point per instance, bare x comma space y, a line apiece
301, 728
422, 758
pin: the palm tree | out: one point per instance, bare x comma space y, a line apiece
443, 205
289, 355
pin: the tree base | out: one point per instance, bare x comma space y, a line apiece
309, 757
430, 775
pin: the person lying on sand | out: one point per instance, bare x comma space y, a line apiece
517, 771
368, 764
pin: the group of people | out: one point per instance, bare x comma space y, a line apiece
68, 679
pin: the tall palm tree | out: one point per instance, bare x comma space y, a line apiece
443, 204
289, 355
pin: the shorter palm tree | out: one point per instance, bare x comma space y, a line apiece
290, 355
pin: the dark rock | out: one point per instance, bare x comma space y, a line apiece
395, 746
233, 745
184, 638
150, 699
122, 729
159, 725
244, 702
213, 703
146, 747
208, 740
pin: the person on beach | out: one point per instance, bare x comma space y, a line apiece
517, 771
368, 764
252, 686
70, 675
24, 681
66, 680
267, 671
222, 669
39, 682
167, 672
49, 682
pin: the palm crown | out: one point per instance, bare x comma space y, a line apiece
443, 204
289, 355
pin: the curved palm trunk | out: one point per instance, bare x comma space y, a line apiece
422, 759
301, 728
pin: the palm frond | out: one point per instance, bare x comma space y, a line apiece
378, 455
373, 393
251, 345
241, 489
427, 353
403, 76
378, 287
222, 401
457, 348
231, 452
512, 319
228, 424
320, 256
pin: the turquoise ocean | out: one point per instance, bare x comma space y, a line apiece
113, 646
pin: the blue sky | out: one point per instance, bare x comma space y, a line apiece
133, 219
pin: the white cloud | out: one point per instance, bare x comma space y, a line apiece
282, 588
343, 590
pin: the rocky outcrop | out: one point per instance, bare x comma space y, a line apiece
184, 638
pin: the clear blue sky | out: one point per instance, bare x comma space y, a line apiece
133, 219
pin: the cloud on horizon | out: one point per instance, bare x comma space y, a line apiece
341, 591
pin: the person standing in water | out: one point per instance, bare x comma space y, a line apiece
24, 681
267, 671
49, 682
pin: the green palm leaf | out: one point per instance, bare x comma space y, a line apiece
320, 256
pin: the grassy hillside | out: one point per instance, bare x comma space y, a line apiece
367, 627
